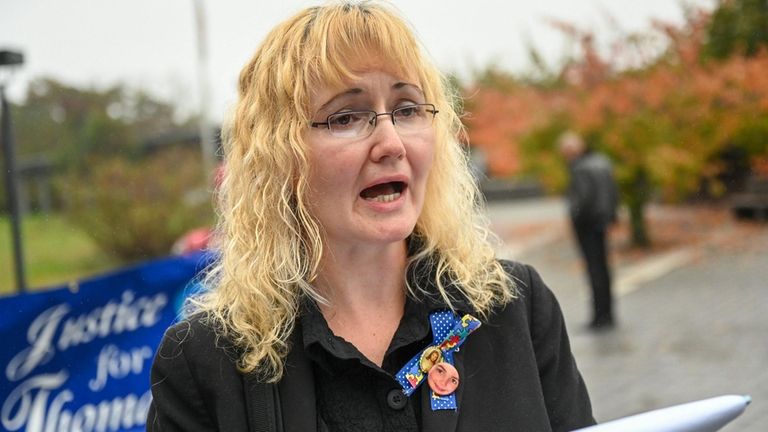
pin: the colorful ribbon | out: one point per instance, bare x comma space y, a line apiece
448, 333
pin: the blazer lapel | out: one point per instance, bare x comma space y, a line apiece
442, 420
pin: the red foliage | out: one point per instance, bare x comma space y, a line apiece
670, 117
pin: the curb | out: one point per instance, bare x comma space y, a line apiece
634, 276
516, 250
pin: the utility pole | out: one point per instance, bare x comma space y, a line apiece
11, 58
207, 145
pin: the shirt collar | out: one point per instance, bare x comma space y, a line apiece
333, 354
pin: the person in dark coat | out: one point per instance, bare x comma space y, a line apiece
352, 259
592, 202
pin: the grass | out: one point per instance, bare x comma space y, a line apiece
55, 253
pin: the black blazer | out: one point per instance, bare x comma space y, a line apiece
517, 372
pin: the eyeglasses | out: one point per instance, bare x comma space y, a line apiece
360, 124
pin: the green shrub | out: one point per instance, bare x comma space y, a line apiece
136, 209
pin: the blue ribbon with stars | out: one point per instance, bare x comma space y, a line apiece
448, 333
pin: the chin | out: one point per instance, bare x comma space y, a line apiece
393, 234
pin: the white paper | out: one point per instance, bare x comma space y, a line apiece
707, 415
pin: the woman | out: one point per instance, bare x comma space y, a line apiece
351, 245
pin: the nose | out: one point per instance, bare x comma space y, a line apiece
387, 143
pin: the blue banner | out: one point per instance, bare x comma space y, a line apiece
77, 358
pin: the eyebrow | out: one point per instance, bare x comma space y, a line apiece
358, 90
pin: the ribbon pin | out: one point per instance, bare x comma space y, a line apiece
449, 332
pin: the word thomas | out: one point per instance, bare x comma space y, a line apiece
40, 413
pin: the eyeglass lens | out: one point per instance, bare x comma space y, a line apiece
361, 123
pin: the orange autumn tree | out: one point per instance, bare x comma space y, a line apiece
497, 111
665, 121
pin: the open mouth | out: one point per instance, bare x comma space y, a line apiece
384, 192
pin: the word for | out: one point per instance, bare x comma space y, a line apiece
114, 363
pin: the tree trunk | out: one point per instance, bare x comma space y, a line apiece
639, 195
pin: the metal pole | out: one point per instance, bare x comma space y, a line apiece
206, 131
11, 187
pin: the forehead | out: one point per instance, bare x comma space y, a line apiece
363, 84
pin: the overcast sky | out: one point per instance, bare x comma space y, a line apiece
152, 43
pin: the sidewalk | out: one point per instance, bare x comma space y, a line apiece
679, 236
692, 311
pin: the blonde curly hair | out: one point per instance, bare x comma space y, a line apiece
270, 244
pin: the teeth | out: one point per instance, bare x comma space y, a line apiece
385, 198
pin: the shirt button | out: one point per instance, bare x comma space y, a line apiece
396, 399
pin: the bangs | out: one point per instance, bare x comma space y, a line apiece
344, 41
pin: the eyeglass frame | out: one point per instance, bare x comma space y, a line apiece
375, 118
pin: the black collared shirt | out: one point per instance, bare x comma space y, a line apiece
354, 394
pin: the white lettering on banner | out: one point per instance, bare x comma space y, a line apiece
129, 314
28, 410
115, 363
30, 405
40, 335
112, 319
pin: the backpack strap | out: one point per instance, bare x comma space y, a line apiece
262, 404
289, 405
296, 389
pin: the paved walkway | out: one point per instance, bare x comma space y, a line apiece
693, 318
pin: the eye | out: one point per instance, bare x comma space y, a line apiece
408, 111
348, 119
